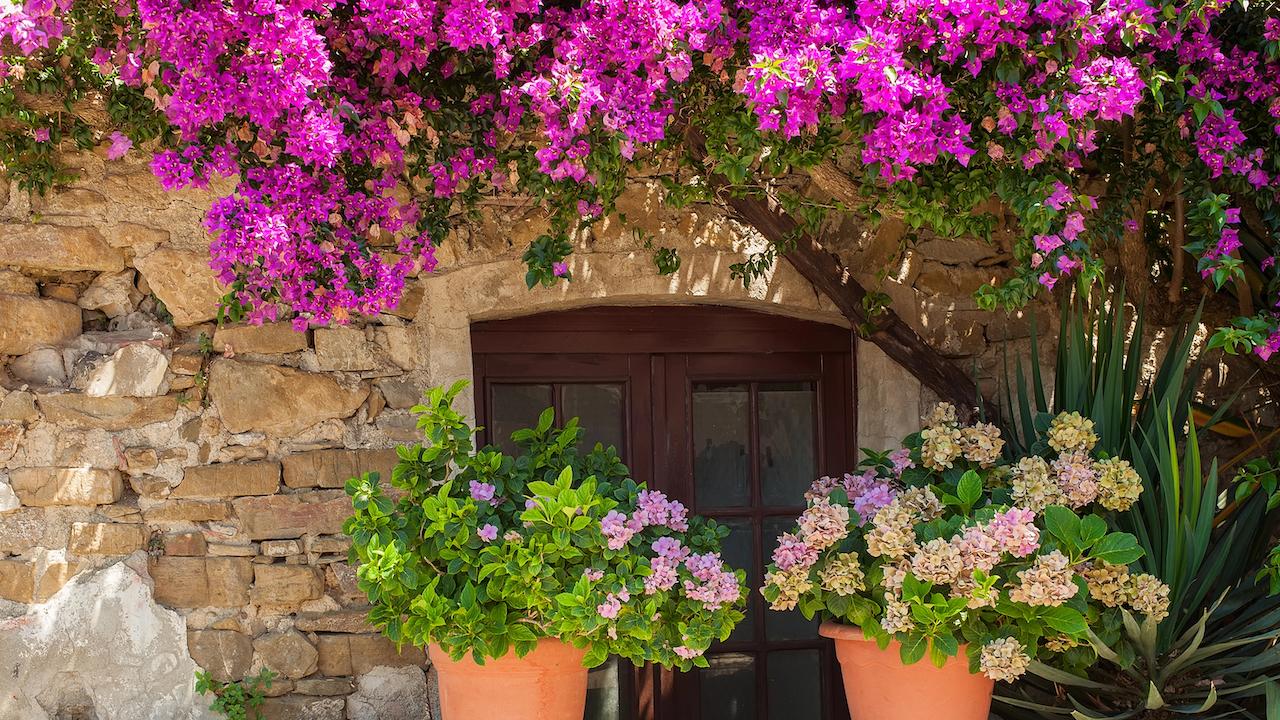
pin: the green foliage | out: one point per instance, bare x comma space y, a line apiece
432, 577
1214, 655
238, 700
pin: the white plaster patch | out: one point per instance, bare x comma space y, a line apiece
101, 645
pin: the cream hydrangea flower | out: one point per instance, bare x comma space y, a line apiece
1108, 584
897, 616
1119, 485
892, 534
937, 561
894, 575
1032, 486
1004, 659
1077, 479
1149, 596
982, 444
823, 524
941, 446
843, 574
922, 503
1061, 643
791, 585
1049, 581
942, 414
1071, 432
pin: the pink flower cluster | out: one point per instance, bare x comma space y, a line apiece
653, 509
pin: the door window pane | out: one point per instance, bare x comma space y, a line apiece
789, 625
599, 412
729, 687
787, 446
738, 552
720, 442
795, 685
515, 407
603, 691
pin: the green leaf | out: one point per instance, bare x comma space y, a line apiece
1065, 620
1063, 525
913, 648
970, 488
1118, 549
1092, 528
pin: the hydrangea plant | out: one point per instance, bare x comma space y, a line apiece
942, 545
482, 552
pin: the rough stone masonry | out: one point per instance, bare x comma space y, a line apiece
171, 491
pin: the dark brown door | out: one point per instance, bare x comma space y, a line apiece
732, 412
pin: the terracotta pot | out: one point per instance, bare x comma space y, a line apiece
549, 683
879, 687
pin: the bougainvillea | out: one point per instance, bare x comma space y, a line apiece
361, 130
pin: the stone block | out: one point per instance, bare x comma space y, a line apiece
184, 282
301, 707
281, 517
225, 654
345, 349
324, 687
17, 580
74, 410
371, 651
54, 577
337, 621
42, 367
332, 468
19, 406
185, 364
287, 653
45, 486
276, 585
133, 371
13, 282
266, 339
277, 400
281, 548
390, 693
335, 655
28, 323
186, 544
187, 511
42, 246
112, 293
226, 480
106, 538
192, 582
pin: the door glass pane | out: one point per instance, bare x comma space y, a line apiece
789, 625
720, 415
515, 407
787, 446
599, 411
737, 551
603, 691
729, 687
795, 685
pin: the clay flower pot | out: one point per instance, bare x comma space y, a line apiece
549, 683
879, 687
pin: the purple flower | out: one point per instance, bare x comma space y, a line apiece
488, 533
481, 491
560, 269
41, 135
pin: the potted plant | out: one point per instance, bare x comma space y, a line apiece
520, 573
940, 549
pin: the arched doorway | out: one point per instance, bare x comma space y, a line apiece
731, 411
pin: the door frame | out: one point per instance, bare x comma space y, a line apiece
658, 352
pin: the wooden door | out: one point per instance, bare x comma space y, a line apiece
733, 413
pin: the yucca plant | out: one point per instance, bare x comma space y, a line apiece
1215, 654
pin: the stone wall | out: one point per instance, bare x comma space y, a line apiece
171, 490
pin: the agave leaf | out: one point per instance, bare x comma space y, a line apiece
1063, 677
1104, 651
1186, 655
1273, 700
1210, 700
1040, 708
1083, 713
1154, 700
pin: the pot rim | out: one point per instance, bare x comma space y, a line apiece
840, 631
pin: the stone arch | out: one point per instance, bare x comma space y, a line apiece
609, 269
